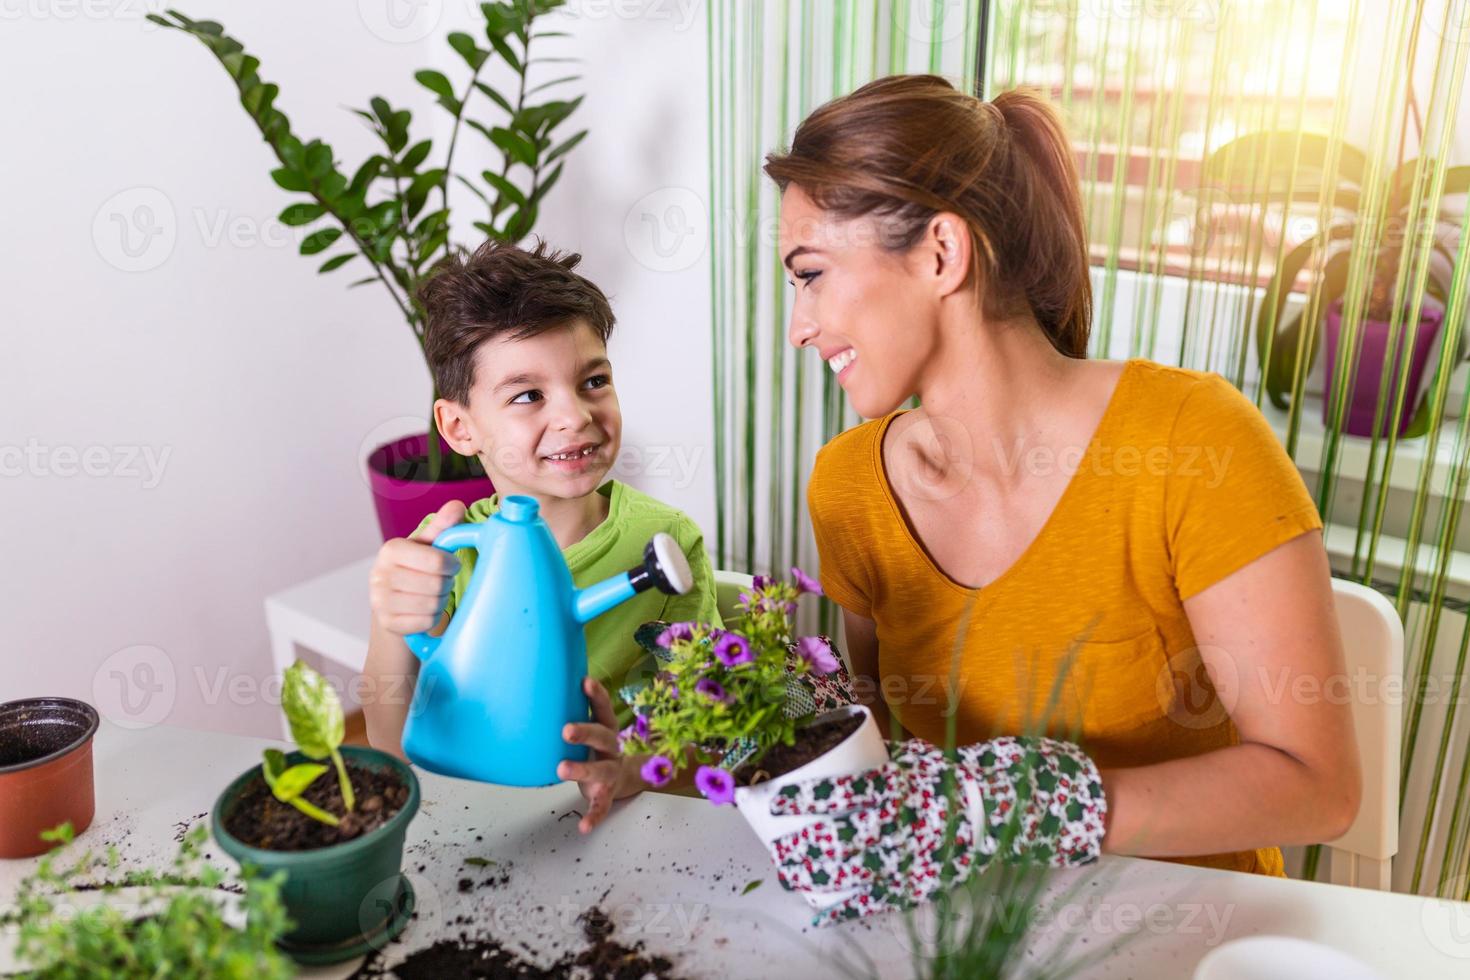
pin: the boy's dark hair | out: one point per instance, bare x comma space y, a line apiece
501, 289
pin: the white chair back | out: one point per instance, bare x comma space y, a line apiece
1373, 648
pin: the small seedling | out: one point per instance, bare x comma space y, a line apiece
317, 726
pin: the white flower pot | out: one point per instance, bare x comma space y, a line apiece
862, 750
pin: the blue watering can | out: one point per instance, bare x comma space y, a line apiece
495, 691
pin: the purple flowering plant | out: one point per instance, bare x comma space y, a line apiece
720, 686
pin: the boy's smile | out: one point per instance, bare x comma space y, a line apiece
543, 415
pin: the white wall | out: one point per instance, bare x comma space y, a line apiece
255, 385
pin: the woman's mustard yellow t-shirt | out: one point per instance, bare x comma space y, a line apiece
1182, 484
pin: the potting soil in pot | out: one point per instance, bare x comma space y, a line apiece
811, 743
261, 820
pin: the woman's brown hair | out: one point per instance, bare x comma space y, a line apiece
906, 147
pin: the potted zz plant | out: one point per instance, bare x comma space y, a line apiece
1298, 166
331, 819
741, 707
392, 210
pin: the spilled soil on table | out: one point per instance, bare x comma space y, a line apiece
812, 742
261, 820
484, 958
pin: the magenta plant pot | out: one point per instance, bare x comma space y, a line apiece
1363, 399
402, 504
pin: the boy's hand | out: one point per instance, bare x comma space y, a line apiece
411, 577
608, 775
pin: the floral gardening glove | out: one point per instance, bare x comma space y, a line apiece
889, 830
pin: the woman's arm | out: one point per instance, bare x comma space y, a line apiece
1268, 636
862, 652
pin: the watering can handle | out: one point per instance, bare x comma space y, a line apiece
451, 540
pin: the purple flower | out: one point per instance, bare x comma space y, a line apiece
761, 583
805, 583
713, 690
657, 771
675, 631
815, 651
732, 649
717, 785
639, 730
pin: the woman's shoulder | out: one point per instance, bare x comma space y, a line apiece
844, 476
851, 448
1174, 396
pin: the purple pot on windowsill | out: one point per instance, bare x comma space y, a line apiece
402, 502
1363, 399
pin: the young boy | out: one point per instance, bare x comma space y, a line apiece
517, 343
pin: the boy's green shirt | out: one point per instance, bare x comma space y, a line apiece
616, 545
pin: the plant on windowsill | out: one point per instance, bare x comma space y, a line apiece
393, 211
1383, 302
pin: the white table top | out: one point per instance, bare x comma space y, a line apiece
670, 872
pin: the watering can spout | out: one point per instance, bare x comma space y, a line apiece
664, 567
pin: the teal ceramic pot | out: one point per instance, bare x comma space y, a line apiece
347, 899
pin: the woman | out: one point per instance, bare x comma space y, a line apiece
1091, 547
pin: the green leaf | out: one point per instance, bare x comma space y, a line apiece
318, 159
371, 168
548, 183
555, 81
291, 153
751, 886
337, 262
564, 148
415, 156
291, 783
290, 180
362, 282
505, 188
435, 82
495, 97
430, 222
478, 862
502, 48
332, 185
310, 703
301, 214
465, 45
520, 225
473, 189
516, 146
